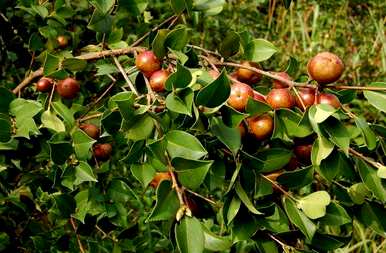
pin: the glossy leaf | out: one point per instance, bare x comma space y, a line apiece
314, 205
189, 236
167, 203
184, 145
229, 136
215, 93
245, 199
82, 144
51, 121
191, 173
376, 98
144, 173
259, 50
372, 181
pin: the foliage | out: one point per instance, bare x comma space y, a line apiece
226, 192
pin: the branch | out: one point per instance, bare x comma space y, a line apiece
345, 87
73, 224
27, 80
131, 85
279, 187
367, 159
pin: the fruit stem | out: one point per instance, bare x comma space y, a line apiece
131, 86
150, 92
299, 97
287, 194
51, 95
73, 224
175, 185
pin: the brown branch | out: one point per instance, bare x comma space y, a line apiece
367, 159
128, 81
345, 87
27, 80
203, 197
277, 186
73, 224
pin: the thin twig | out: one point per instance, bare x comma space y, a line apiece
51, 95
139, 41
299, 97
150, 91
367, 159
279, 187
73, 224
175, 185
346, 87
204, 50
27, 80
203, 197
128, 81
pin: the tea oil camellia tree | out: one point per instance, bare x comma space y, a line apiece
136, 139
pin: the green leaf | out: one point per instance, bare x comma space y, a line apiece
336, 215
256, 108
191, 173
296, 179
231, 117
158, 44
100, 22
270, 159
277, 222
84, 173
299, 219
209, 7
368, 134
179, 79
321, 149
338, 133
60, 149
233, 209
177, 38
370, 178
51, 64
293, 123
321, 112
189, 236
230, 45
215, 93
184, 145
229, 136
259, 50
5, 128
125, 102
381, 172
292, 67
74, 64
181, 103
141, 128
6, 99
103, 6
166, 205
333, 165
376, 98
314, 205
66, 114
373, 215
82, 144
179, 6
144, 173
244, 226
120, 192
245, 199
51, 121
358, 193
24, 111
216, 243
326, 242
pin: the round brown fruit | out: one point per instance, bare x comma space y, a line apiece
246, 75
261, 126
147, 62
280, 98
44, 84
240, 92
159, 176
158, 79
278, 84
62, 41
293, 164
102, 151
242, 130
325, 68
329, 99
91, 130
308, 97
68, 88
259, 97
303, 153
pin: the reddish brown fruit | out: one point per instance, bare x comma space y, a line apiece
62, 41
246, 75
293, 164
308, 97
329, 99
159, 176
325, 68
158, 79
238, 99
280, 98
147, 62
278, 84
91, 130
261, 126
102, 151
303, 153
259, 97
44, 84
68, 88
242, 130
